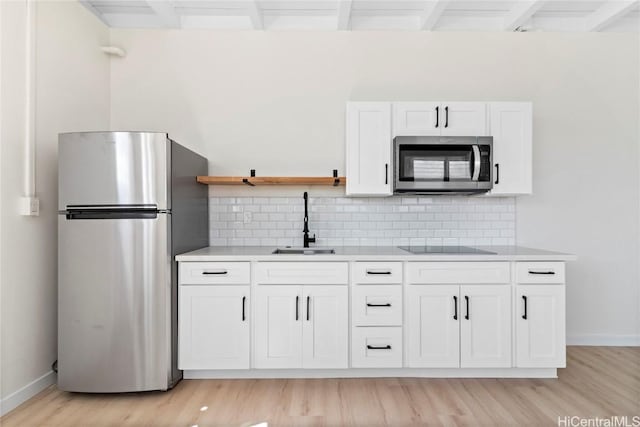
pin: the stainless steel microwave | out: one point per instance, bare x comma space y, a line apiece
442, 165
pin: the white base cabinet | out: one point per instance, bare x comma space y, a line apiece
214, 330
540, 326
301, 327
450, 326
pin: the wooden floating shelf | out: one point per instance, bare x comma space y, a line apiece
272, 180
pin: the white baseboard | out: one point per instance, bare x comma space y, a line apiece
17, 398
604, 340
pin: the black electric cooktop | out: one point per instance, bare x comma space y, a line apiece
467, 250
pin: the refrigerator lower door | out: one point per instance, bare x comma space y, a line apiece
114, 304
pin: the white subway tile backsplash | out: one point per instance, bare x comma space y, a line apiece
372, 221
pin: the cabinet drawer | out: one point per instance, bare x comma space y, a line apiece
208, 273
540, 272
457, 272
387, 273
377, 305
302, 273
376, 347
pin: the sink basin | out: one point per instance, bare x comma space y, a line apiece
303, 251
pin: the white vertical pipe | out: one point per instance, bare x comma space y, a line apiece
30, 92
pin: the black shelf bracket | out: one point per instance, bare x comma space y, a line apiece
336, 180
252, 173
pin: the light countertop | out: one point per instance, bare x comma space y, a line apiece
372, 253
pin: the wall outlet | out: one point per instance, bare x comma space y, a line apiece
247, 217
29, 206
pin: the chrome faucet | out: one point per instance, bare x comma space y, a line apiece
305, 229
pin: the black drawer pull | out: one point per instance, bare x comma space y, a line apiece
308, 300
379, 305
221, 272
297, 307
542, 272
377, 347
455, 307
466, 316
379, 272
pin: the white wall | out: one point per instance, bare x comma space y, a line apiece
72, 94
274, 101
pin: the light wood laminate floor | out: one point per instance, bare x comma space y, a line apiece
598, 382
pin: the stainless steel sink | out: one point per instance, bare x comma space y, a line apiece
303, 251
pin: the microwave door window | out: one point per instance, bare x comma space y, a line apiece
436, 163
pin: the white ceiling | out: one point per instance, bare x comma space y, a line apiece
416, 15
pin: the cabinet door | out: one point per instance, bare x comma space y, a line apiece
433, 330
463, 119
368, 142
511, 128
214, 327
485, 329
417, 118
325, 331
278, 327
540, 326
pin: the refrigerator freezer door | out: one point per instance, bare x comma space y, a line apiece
113, 168
114, 298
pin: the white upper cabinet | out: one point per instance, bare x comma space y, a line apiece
439, 118
368, 143
511, 128
540, 326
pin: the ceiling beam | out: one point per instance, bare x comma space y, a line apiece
607, 14
344, 14
431, 14
255, 13
521, 13
166, 12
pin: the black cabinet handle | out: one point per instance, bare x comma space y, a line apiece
221, 272
542, 272
466, 316
497, 174
308, 300
386, 173
446, 117
455, 307
379, 305
378, 272
378, 347
297, 306
437, 116
524, 316
243, 313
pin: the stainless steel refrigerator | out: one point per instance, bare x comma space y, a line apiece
128, 203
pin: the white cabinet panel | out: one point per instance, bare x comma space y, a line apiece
368, 143
540, 272
209, 273
540, 326
485, 330
298, 273
376, 347
376, 305
325, 329
511, 128
464, 119
278, 327
433, 331
456, 272
214, 327
416, 118
383, 273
